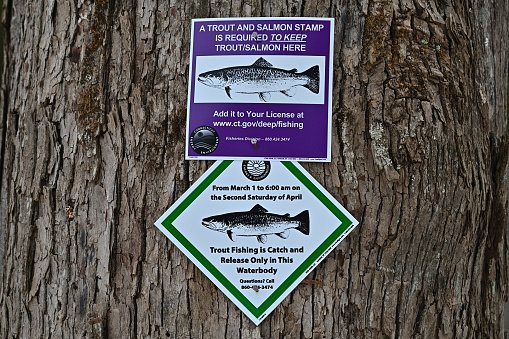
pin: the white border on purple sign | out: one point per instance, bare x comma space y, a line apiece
329, 119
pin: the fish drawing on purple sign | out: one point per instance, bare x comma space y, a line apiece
257, 222
261, 78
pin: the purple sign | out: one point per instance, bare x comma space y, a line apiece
260, 88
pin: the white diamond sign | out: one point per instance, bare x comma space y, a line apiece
256, 229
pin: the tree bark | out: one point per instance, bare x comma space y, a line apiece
92, 153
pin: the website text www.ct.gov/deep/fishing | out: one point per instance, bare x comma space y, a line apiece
259, 123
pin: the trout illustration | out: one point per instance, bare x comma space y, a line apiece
257, 222
261, 78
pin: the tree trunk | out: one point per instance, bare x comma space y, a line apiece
92, 152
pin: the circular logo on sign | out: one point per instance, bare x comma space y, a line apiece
255, 170
204, 140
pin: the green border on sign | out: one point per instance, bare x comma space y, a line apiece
257, 311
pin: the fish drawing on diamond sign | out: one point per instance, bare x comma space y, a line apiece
257, 222
261, 78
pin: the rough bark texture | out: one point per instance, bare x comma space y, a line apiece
93, 100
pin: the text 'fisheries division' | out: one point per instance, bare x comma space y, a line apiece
233, 73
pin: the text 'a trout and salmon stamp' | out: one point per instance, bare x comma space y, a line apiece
262, 79
256, 229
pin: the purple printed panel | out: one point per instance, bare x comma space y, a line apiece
260, 88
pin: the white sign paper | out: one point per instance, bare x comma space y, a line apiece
256, 229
